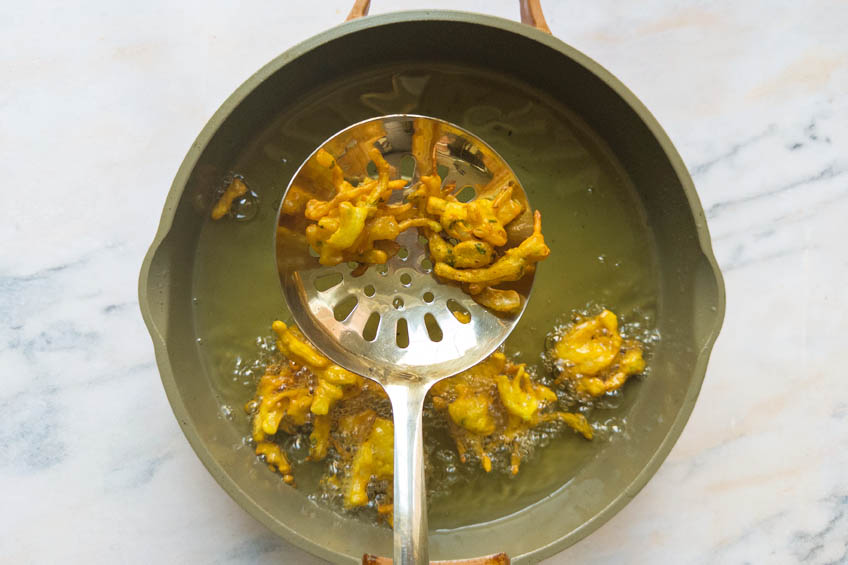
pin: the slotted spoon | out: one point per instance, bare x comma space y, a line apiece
395, 323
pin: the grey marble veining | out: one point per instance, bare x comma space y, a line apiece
100, 102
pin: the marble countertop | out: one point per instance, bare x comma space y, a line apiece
102, 99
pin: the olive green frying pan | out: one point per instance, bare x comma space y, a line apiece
619, 210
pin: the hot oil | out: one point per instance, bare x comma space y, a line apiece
602, 253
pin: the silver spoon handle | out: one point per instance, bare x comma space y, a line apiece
410, 500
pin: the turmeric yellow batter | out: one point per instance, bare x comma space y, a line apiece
489, 409
593, 356
467, 240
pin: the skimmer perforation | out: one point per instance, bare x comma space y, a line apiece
401, 321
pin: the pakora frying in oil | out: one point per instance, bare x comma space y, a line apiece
490, 410
594, 358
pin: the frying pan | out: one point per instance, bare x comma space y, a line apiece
620, 212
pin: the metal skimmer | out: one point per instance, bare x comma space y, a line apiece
394, 323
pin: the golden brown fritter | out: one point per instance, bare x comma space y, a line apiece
354, 222
493, 405
235, 189
593, 356
491, 408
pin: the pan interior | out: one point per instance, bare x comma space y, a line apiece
603, 252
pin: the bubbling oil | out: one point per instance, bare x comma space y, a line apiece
445, 472
602, 253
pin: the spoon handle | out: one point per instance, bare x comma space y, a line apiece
410, 499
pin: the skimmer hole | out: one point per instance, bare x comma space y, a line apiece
407, 166
370, 290
313, 252
422, 240
433, 329
369, 332
459, 311
328, 281
403, 253
371, 168
398, 303
442, 171
402, 334
467, 194
406, 279
352, 265
428, 297
383, 269
345, 307
426, 265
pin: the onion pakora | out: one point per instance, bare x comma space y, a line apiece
234, 190
352, 220
492, 405
489, 410
594, 357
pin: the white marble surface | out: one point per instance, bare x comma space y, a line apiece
99, 103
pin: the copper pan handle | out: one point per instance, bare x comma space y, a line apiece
531, 13
497, 559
